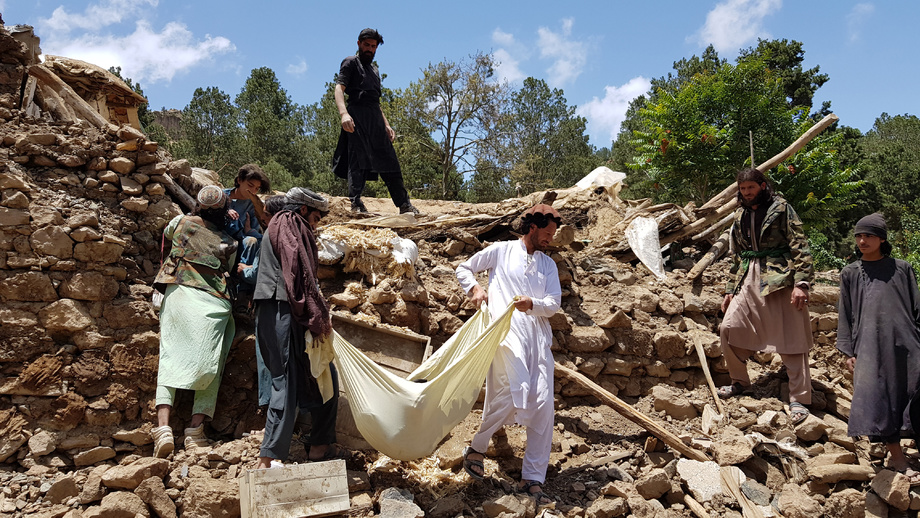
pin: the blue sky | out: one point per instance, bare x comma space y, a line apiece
601, 53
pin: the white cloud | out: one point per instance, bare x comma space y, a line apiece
297, 69
508, 68
569, 56
856, 18
95, 16
144, 55
605, 115
733, 23
503, 38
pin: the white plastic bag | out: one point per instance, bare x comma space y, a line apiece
642, 235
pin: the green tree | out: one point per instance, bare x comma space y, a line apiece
416, 148
488, 184
544, 143
816, 184
625, 147
213, 138
273, 124
322, 126
890, 159
698, 136
784, 58
685, 70
460, 104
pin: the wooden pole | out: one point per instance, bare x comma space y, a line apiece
700, 224
695, 507
721, 224
80, 107
704, 363
751, 141
629, 413
55, 104
175, 189
793, 148
718, 248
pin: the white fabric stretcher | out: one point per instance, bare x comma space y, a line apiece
405, 419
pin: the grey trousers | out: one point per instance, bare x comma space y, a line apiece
281, 344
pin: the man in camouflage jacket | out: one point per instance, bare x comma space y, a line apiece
781, 230
766, 300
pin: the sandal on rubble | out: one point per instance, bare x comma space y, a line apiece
727, 391
798, 412
526, 487
469, 464
333, 452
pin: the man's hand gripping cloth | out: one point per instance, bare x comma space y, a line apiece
407, 418
320, 352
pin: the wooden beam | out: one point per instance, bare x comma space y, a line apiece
704, 363
55, 104
81, 108
719, 225
633, 415
176, 190
717, 249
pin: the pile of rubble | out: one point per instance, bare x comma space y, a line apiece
82, 208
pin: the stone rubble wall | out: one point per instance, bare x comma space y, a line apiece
81, 215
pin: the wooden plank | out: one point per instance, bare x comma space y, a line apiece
312, 489
731, 480
401, 352
717, 249
695, 507
633, 415
79, 106
704, 363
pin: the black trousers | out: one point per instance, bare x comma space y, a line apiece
393, 181
282, 344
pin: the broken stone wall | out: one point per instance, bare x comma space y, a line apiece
618, 324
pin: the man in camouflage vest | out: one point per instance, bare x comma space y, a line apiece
766, 300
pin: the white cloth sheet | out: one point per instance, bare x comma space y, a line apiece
405, 418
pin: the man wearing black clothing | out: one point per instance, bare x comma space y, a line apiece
365, 147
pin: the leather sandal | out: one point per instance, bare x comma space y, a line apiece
797, 412
542, 498
469, 464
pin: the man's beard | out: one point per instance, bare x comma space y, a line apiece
366, 57
762, 198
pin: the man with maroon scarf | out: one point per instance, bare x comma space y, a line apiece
288, 304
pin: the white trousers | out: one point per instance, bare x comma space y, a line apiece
499, 410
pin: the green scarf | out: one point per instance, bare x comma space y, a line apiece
747, 255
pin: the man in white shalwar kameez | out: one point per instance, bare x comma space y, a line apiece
519, 388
